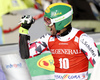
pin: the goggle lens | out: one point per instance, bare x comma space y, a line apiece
47, 21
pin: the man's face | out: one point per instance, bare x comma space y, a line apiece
53, 30
51, 25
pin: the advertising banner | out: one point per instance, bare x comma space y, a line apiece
41, 66
14, 67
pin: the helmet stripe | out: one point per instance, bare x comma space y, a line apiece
55, 4
62, 17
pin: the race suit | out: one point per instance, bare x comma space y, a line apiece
71, 53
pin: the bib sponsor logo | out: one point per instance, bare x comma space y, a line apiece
65, 51
65, 76
46, 63
63, 43
58, 77
74, 77
69, 77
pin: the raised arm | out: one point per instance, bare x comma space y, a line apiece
27, 49
26, 22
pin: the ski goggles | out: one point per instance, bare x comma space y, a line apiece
49, 22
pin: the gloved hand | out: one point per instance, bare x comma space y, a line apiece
26, 22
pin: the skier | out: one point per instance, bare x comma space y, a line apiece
71, 48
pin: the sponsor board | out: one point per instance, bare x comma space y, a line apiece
40, 65
46, 63
14, 67
19, 65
